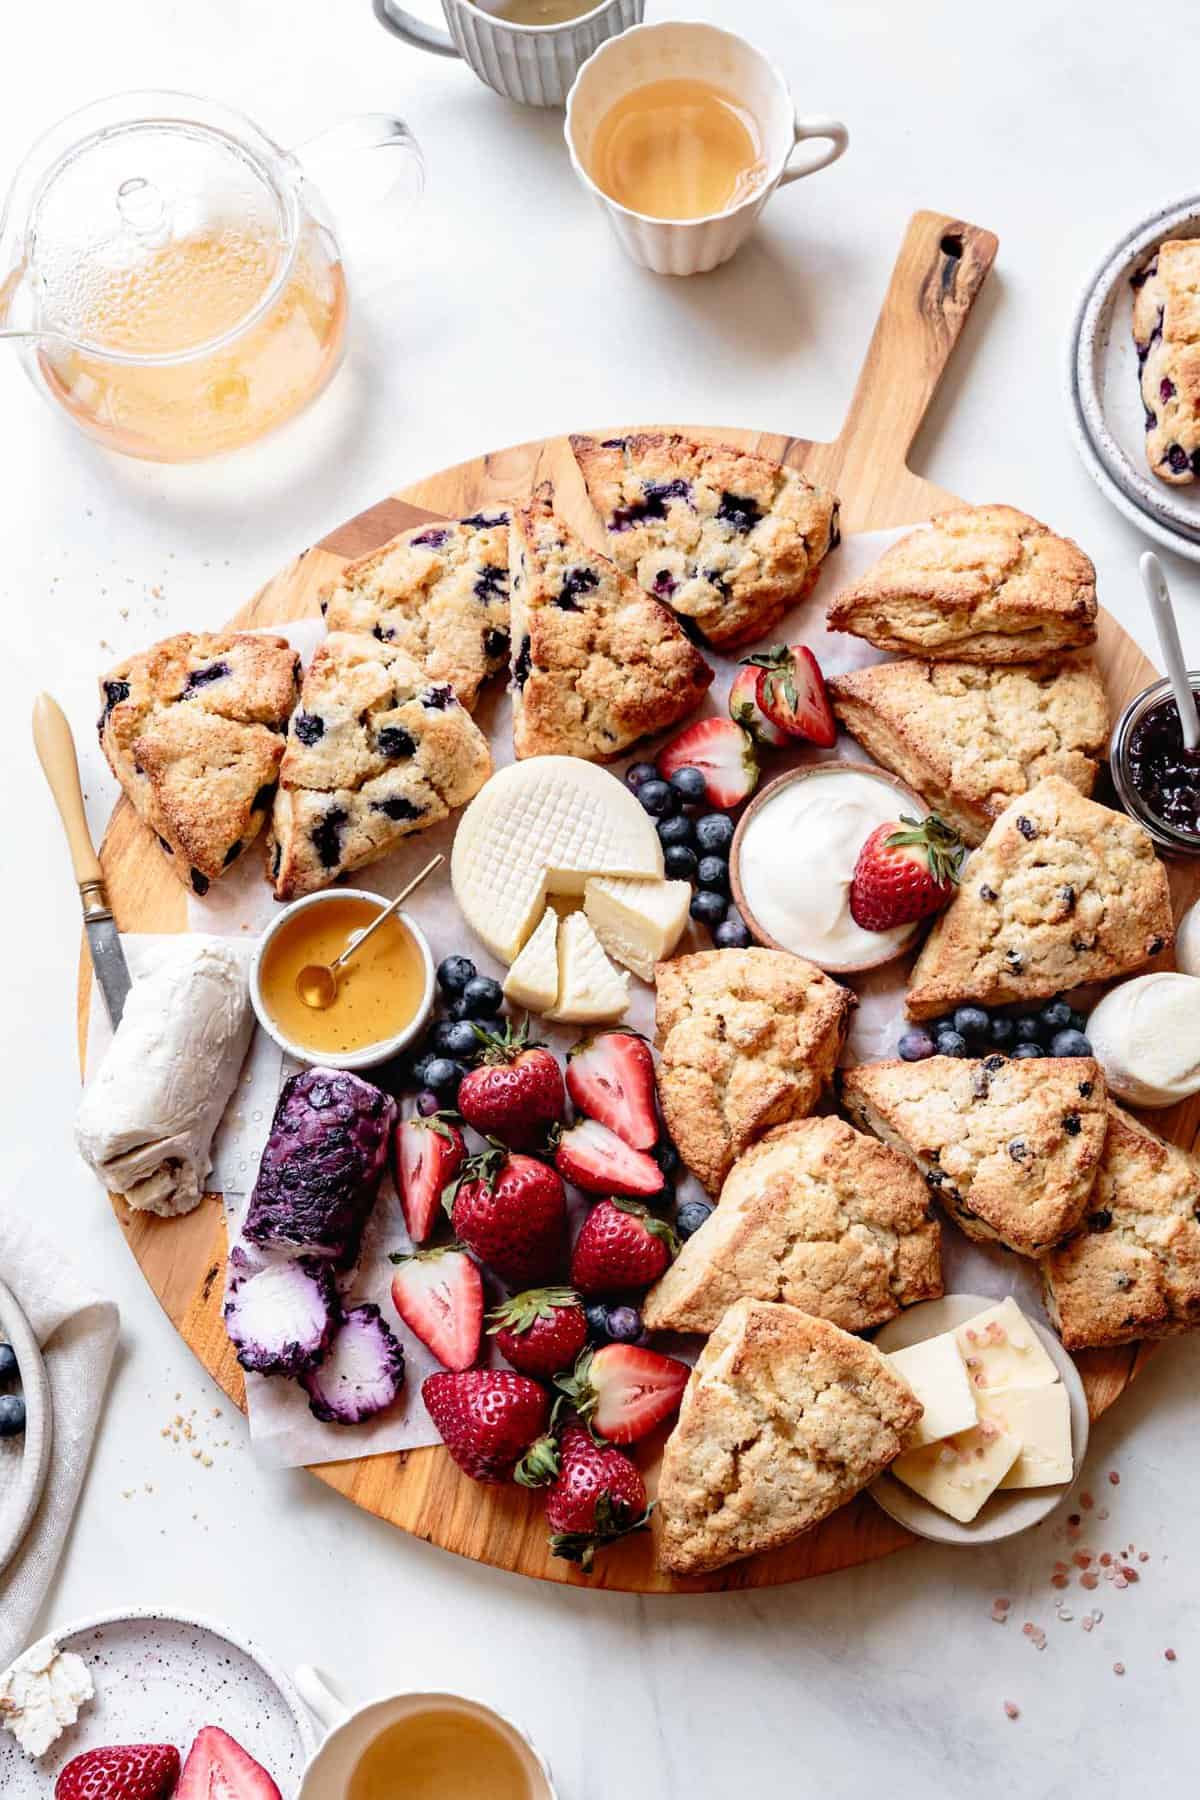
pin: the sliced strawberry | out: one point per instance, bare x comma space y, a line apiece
907, 870
439, 1295
724, 754
596, 1160
792, 693
623, 1392
120, 1772
745, 710
218, 1768
426, 1156
610, 1077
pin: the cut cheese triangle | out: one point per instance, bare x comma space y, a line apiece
638, 922
590, 988
533, 979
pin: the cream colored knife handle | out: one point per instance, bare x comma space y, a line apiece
56, 752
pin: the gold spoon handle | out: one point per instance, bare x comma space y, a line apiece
401, 897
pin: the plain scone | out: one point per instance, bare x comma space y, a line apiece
816, 1215
749, 1040
784, 1419
1133, 1268
1009, 1147
984, 584
1166, 330
969, 739
1062, 891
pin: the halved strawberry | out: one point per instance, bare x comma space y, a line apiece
744, 709
217, 1768
792, 693
723, 753
120, 1772
906, 870
439, 1295
623, 1392
610, 1077
599, 1162
426, 1156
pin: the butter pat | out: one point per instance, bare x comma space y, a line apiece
533, 979
1145, 1034
1041, 1418
961, 1474
937, 1375
1002, 1350
41, 1694
638, 922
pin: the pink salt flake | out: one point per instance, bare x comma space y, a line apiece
1060, 1581
1089, 1579
1130, 1574
1170, 1655
1103, 1513
1119, 1581
1105, 1559
1081, 1559
972, 1335
979, 1379
1087, 1621
1143, 1556
1087, 1502
1114, 1478
1118, 1668
1028, 1628
1011, 1711
1002, 1602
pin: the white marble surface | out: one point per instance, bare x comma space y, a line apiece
1055, 125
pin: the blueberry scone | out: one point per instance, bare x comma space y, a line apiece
193, 731
438, 592
968, 738
597, 662
375, 751
1133, 1268
1061, 891
729, 540
1010, 1148
814, 1214
1166, 330
750, 1038
982, 584
784, 1419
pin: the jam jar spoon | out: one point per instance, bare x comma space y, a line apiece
1163, 613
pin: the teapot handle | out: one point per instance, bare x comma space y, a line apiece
361, 200
401, 24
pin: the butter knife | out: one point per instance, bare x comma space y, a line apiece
55, 748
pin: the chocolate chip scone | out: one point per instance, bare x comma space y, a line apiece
784, 1419
816, 1215
729, 540
749, 1040
438, 592
1133, 1268
984, 584
1166, 330
1060, 892
374, 751
1010, 1148
597, 662
193, 731
969, 738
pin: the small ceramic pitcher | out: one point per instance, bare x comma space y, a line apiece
534, 64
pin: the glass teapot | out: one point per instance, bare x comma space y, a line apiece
172, 277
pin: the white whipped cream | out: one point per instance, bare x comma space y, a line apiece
796, 860
1145, 1035
1187, 942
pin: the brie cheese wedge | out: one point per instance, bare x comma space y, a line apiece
590, 988
638, 922
533, 979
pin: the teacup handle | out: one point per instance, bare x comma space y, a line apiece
321, 1697
414, 31
833, 129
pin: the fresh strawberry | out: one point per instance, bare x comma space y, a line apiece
598, 1496
620, 1246
610, 1077
426, 1156
439, 1295
541, 1331
120, 1772
597, 1160
217, 1768
623, 1392
512, 1212
488, 1418
723, 753
906, 870
517, 1092
791, 692
745, 710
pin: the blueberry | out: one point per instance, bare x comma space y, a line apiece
637, 773
1001, 1032
427, 1103
8, 1356
713, 873
12, 1415
971, 1022
951, 1043
732, 933
658, 798
1024, 1050
624, 1325
422, 1066
708, 908
456, 1038
690, 1217
680, 863
483, 996
915, 1044
442, 1074
596, 1313
676, 830
459, 1008
714, 833
454, 973
1056, 1016
689, 784
666, 1156
1070, 1043
1028, 1029
1078, 1021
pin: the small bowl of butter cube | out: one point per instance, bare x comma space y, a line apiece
1004, 1429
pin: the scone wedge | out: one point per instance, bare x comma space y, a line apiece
749, 1039
983, 584
969, 738
784, 1419
597, 662
1166, 331
1061, 891
816, 1215
1009, 1147
728, 539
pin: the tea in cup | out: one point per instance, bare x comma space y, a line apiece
528, 50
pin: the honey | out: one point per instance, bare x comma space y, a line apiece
442, 1754
379, 991
678, 149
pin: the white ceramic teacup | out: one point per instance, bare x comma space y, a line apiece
351, 1730
688, 50
534, 64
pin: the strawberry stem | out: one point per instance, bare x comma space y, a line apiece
943, 847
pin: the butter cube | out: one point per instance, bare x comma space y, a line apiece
1002, 1350
1041, 1418
961, 1473
937, 1375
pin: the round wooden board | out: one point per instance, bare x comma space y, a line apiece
940, 269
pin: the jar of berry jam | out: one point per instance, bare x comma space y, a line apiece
1157, 780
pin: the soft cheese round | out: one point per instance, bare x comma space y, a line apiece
1145, 1035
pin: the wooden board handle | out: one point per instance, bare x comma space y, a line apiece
55, 748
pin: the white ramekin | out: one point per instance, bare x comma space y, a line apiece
534, 64
687, 50
372, 1054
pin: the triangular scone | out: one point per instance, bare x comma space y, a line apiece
784, 1419
730, 540
439, 592
969, 738
979, 584
597, 662
1010, 1148
1133, 1268
814, 1214
374, 751
193, 730
1061, 891
749, 1039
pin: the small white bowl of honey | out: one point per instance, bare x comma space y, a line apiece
384, 992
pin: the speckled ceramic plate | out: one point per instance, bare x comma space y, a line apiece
24, 1460
158, 1678
1104, 398
1004, 1514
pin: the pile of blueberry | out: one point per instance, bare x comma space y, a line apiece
450, 1045
12, 1407
1056, 1030
695, 849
